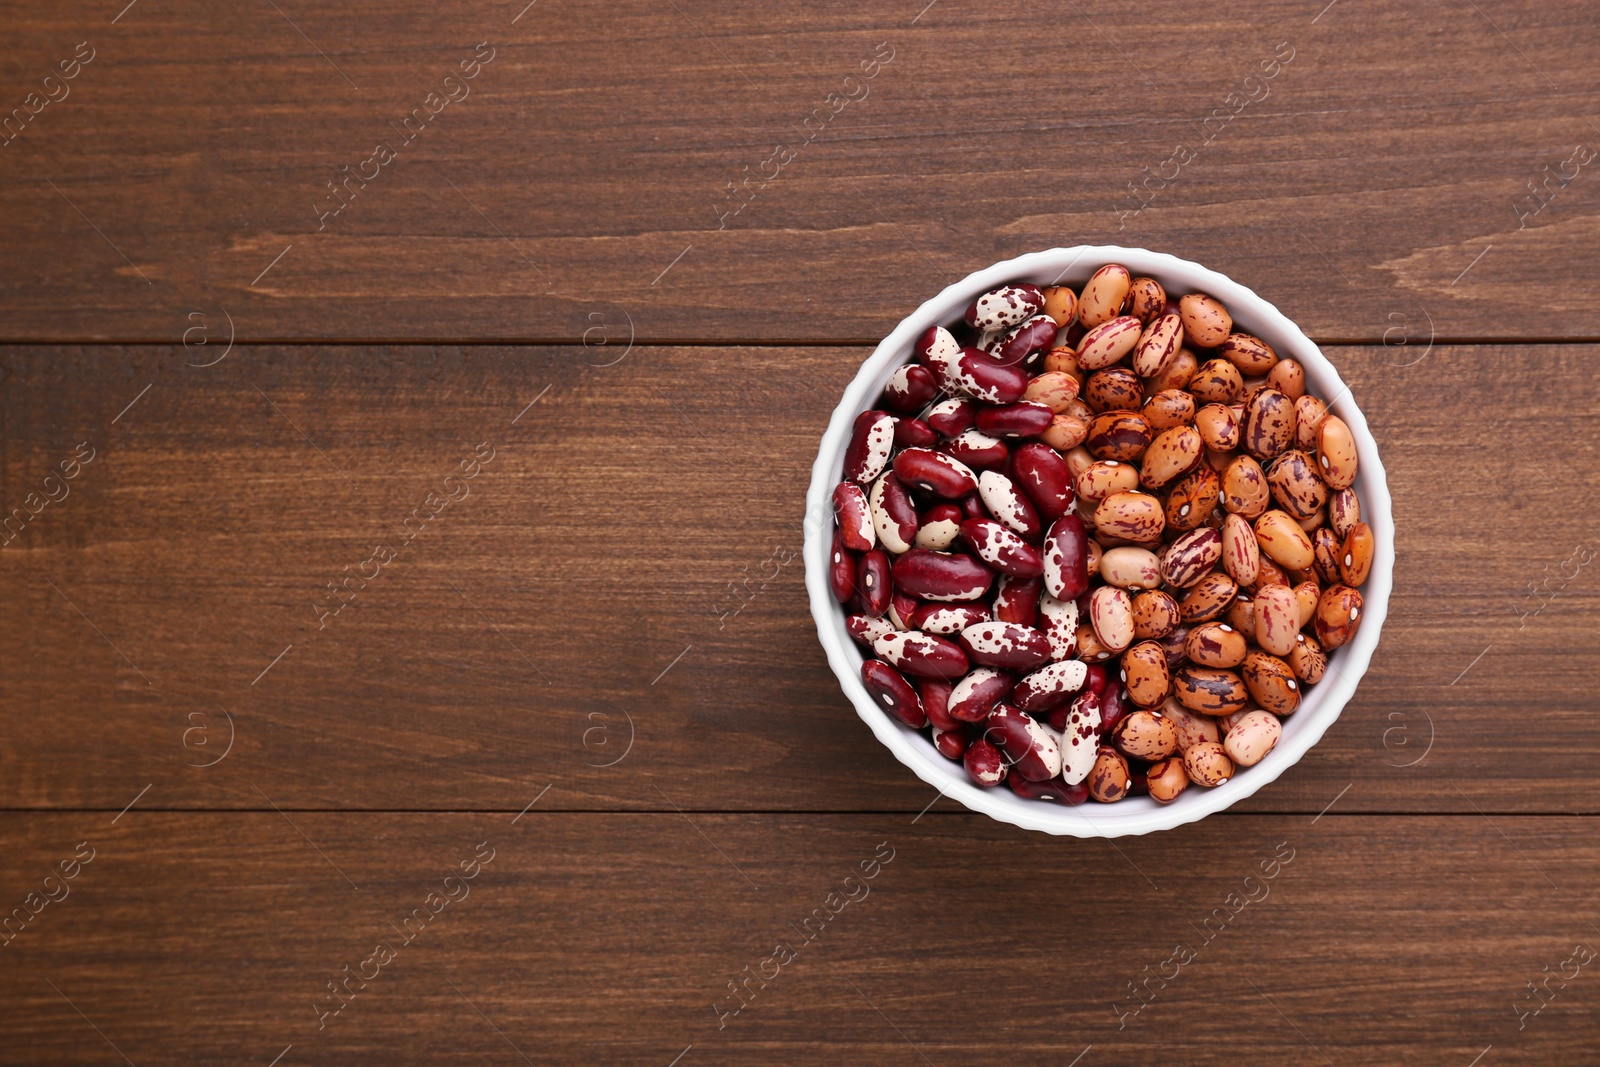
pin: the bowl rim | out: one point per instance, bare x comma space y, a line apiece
1091, 820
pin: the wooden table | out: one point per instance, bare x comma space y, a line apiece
439, 414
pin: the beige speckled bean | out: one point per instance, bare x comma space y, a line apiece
1104, 477
1168, 408
1271, 683
1054, 389
1174, 452
1216, 644
1218, 426
1205, 321
1061, 304
1146, 298
1158, 346
1356, 561
1176, 374
1166, 780
1130, 516
1250, 354
1145, 678
1192, 727
1245, 490
1282, 539
1155, 614
1208, 599
1307, 595
1296, 486
1111, 615
1129, 567
1103, 295
1107, 343
1336, 452
1241, 553
1308, 661
1344, 511
1216, 382
1208, 764
1252, 737
1289, 378
1309, 411
1277, 619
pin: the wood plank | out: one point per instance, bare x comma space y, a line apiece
609, 938
586, 172
590, 578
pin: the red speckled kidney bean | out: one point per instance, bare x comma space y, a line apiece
1050, 686
940, 524
1008, 504
984, 763
1055, 790
1022, 419
1058, 619
952, 744
935, 344
855, 518
1081, 730
842, 570
975, 695
923, 655
1017, 600
1022, 341
894, 516
973, 372
950, 417
1028, 745
946, 619
873, 582
935, 695
1004, 307
890, 690
972, 507
1066, 558
901, 607
866, 629
1005, 645
911, 388
1041, 473
914, 433
1001, 549
871, 441
1114, 704
941, 576
977, 449
946, 476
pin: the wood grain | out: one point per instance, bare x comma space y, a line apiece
608, 938
1371, 188
630, 555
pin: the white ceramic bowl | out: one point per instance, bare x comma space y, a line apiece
1134, 815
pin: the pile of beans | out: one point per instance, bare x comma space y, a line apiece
1098, 541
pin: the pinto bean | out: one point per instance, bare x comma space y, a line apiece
1250, 354
1216, 644
1336, 452
1209, 690
1216, 382
1205, 321
1146, 299
1155, 614
1194, 498
1269, 424
1296, 486
1338, 615
1145, 678
1270, 683
1103, 295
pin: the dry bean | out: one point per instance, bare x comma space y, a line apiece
1205, 321
1252, 737
1103, 295
1208, 764
1356, 561
1216, 644
1155, 614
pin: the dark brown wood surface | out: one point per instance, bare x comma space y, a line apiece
1356, 186
597, 659
612, 938
630, 555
